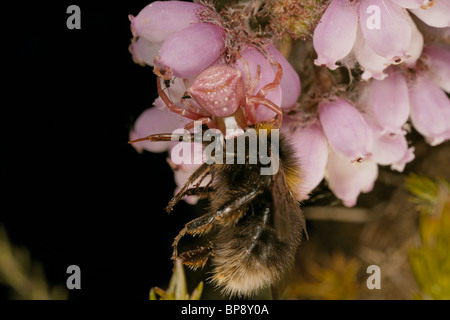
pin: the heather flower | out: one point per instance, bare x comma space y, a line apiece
201, 42
380, 33
347, 180
389, 148
414, 50
346, 130
430, 110
438, 60
433, 13
290, 82
372, 63
311, 147
340, 18
390, 36
390, 101
155, 23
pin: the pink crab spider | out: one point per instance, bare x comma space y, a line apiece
222, 100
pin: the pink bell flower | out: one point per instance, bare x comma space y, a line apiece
435, 14
189, 51
409, 4
143, 51
430, 110
390, 101
415, 47
390, 36
160, 19
372, 63
438, 60
290, 82
389, 149
347, 180
335, 34
346, 130
311, 148
155, 23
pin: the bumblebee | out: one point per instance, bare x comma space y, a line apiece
256, 220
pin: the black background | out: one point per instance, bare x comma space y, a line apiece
74, 191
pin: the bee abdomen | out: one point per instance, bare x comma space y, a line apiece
249, 257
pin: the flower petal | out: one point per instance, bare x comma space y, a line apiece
190, 50
389, 149
438, 59
415, 46
385, 28
347, 180
339, 19
160, 19
409, 4
390, 101
311, 149
143, 51
372, 63
346, 130
430, 110
437, 15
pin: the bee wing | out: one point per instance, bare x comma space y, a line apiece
283, 204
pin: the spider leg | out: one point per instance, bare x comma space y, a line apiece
274, 84
204, 120
173, 107
255, 81
187, 137
192, 107
269, 104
